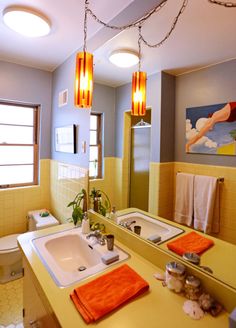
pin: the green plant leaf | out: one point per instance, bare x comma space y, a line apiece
71, 203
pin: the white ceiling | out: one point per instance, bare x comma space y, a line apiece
205, 35
66, 18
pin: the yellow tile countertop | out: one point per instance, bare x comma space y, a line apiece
157, 308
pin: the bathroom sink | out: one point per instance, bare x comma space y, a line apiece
70, 257
151, 228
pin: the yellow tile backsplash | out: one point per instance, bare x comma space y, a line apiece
59, 183
108, 182
161, 189
227, 194
16, 202
162, 192
65, 182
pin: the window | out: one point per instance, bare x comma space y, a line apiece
18, 145
95, 148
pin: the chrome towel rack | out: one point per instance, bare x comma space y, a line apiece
220, 179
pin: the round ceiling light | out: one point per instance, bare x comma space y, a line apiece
26, 22
124, 58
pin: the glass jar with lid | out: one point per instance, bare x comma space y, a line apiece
192, 288
175, 276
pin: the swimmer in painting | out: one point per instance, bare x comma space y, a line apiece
224, 114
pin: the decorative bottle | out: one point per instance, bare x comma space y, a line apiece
85, 224
113, 215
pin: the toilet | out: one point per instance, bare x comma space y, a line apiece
10, 259
10, 254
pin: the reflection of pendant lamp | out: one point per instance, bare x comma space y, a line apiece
84, 60
139, 87
84, 72
139, 93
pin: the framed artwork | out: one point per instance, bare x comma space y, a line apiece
211, 129
65, 139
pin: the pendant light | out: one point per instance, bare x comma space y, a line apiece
84, 60
139, 87
84, 72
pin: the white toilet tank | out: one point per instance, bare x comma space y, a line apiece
38, 222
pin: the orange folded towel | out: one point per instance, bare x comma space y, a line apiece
192, 242
106, 293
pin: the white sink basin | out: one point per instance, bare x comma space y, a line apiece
70, 257
150, 227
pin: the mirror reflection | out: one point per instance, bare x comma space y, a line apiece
140, 170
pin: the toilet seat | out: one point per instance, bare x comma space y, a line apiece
8, 243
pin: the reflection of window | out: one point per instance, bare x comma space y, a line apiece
18, 145
95, 148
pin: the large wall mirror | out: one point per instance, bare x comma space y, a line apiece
117, 171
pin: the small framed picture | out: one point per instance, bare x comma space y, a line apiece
65, 139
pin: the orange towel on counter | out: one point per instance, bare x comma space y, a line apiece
106, 293
191, 242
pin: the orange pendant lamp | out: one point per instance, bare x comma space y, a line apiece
139, 93
84, 80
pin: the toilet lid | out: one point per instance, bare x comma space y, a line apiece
8, 242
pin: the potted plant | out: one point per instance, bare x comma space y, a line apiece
77, 210
101, 202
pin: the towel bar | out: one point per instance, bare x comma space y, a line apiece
220, 179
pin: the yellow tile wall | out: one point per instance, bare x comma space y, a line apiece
65, 182
107, 183
227, 194
16, 202
161, 189
111, 183
120, 198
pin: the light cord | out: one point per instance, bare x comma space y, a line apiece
139, 22
130, 25
184, 5
226, 4
139, 47
86, 4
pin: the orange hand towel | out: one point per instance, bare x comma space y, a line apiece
104, 294
192, 242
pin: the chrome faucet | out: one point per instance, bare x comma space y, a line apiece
127, 224
98, 235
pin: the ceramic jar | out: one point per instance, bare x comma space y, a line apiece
192, 288
175, 276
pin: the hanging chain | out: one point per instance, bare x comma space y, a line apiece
138, 23
222, 3
133, 24
139, 47
86, 4
184, 5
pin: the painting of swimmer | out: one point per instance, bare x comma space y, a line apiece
211, 129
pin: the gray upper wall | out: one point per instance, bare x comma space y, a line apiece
167, 118
123, 104
103, 102
160, 98
212, 85
63, 78
30, 86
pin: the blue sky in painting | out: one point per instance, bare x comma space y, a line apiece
219, 134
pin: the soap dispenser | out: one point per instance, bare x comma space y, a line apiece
85, 224
113, 215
